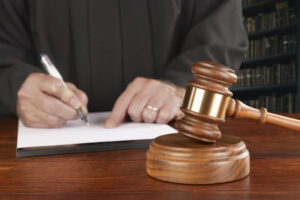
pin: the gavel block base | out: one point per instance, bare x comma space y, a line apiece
178, 159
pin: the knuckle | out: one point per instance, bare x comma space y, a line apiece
84, 97
173, 103
135, 82
33, 77
22, 94
153, 82
169, 89
28, 88
71, 85
129, 86
57, 86
138, 80
69, 97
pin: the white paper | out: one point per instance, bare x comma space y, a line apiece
76, 132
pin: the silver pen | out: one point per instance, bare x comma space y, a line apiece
51, 69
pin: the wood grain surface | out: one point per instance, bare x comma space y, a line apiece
176, 158
275, 170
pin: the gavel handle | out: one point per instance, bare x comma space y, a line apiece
238, 110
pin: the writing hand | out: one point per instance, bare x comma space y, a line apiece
44, 102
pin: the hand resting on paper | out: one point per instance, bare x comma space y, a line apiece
44, 102
147, 100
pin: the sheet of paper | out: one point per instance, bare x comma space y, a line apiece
76, 132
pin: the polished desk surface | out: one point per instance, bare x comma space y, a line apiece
275, 171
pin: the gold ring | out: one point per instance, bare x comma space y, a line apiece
152, 108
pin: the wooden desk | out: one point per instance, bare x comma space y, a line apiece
275, 171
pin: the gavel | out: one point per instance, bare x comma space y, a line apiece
201, 154
208, 101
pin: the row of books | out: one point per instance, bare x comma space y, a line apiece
275, 74
276, 14
276, 103
270, 20
272, 45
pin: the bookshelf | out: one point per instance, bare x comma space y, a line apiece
268, 59
269, 75
274, 88
271, 31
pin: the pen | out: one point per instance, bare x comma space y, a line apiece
51, 69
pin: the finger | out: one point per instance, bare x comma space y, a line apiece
31, 116
149, 116
138, 103
55, 87
179, 115
157, 101
121, 106
166, 114
81, 95
169, 111
53, 106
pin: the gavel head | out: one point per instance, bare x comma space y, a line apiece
206, 101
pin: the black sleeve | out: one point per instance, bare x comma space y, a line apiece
16, 53
216, 34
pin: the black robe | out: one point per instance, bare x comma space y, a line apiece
102, 45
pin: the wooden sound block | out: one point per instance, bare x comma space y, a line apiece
178, 159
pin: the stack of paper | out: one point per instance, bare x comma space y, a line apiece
75, 137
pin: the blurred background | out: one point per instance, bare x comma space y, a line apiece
269, 75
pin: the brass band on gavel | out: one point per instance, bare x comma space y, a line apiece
206, 102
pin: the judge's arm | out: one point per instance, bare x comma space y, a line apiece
216, 33
38, 99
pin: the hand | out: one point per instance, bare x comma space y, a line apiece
142, 92
44, 102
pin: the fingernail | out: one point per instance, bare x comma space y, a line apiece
85, 110
75, 103
109, 124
